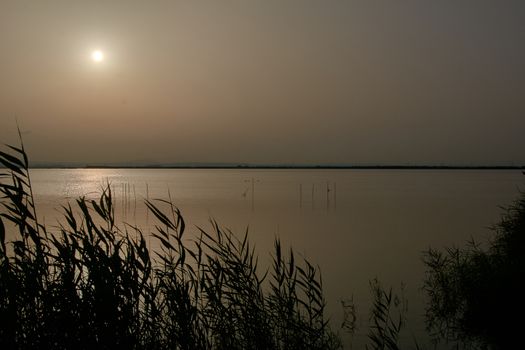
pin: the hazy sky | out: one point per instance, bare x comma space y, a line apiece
270, 81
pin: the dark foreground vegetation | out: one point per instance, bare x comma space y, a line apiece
476, 294
94, 283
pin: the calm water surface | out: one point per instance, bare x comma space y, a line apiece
355, 224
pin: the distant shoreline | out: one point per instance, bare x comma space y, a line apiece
289, 167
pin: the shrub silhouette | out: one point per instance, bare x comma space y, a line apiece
476, 294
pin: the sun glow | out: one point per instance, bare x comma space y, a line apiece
97, 56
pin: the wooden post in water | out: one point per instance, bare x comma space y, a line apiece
147, 210
253, 194
335, 195
327, 196
122, 201
313, 190
128, 203
300, 196
134, 205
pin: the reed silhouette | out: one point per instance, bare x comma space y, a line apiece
476, 293
95, 283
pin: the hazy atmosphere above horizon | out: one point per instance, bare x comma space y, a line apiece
265, 82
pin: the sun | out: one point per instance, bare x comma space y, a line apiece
97, 56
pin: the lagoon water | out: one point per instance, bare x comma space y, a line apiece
355, 224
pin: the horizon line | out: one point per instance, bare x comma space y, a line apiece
275, 166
